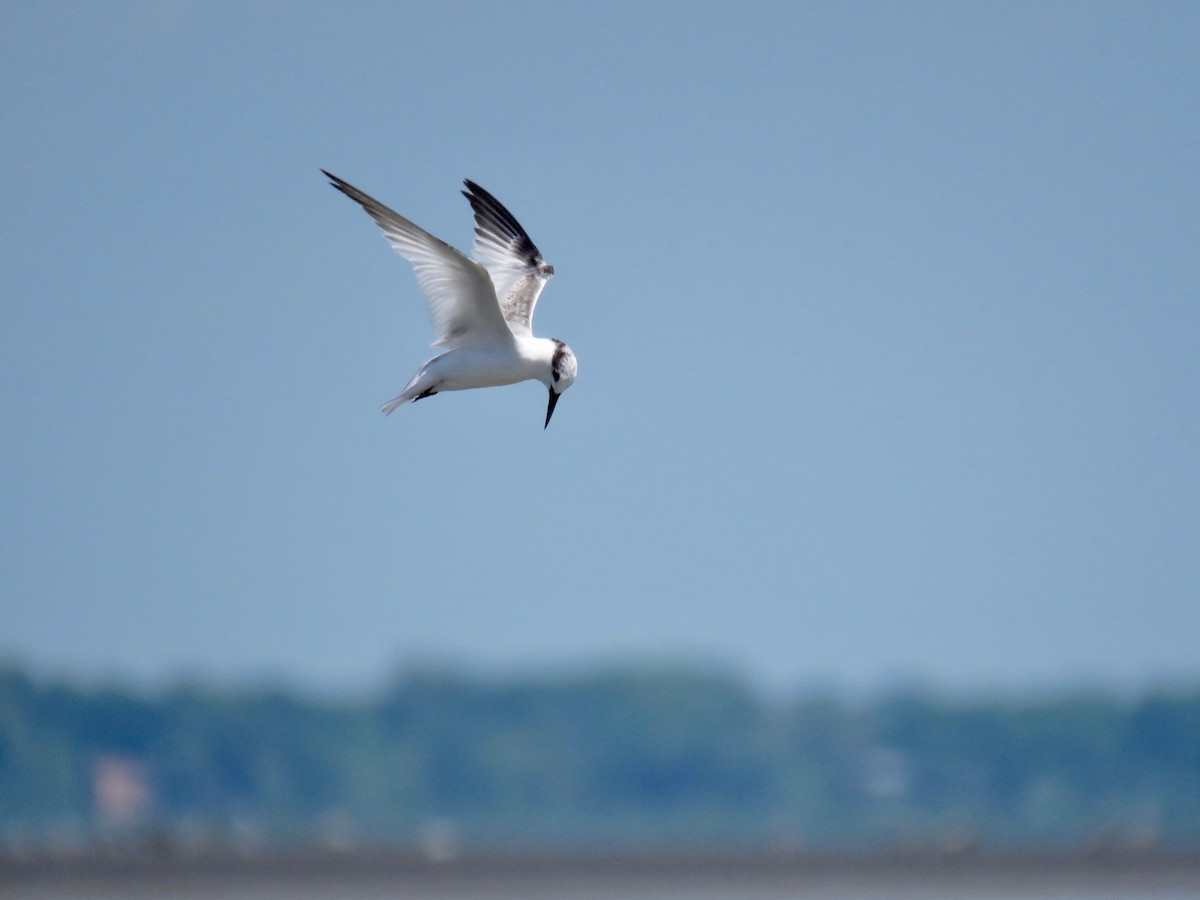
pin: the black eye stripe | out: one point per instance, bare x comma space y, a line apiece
560, 353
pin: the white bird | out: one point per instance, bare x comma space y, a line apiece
482, 308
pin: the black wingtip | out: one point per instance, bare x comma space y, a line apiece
487, 208
476, 194
341, 184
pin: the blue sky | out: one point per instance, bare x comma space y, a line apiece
886, 314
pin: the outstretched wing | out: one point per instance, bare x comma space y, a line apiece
461, 295
518, 271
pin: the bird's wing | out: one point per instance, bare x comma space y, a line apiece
518, 271
461, 295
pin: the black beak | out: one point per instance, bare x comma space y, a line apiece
550, 408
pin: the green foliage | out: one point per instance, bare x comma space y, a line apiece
633, 757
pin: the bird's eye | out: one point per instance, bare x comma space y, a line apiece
554, 375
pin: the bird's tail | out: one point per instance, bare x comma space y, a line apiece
422, 384
418, 389
388, 408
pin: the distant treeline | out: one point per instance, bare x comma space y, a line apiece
609, 761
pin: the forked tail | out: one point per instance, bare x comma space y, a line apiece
409, 394
388, 408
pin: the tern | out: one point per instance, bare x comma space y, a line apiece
482, 308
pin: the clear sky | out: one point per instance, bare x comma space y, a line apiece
887, 318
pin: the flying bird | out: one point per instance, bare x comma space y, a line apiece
482, 308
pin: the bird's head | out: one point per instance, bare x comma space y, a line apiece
562, 375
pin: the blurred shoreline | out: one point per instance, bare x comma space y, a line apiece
628, 761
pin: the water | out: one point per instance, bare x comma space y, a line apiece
568, 891
697, 877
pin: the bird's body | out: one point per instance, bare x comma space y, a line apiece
482, 309
479, 366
